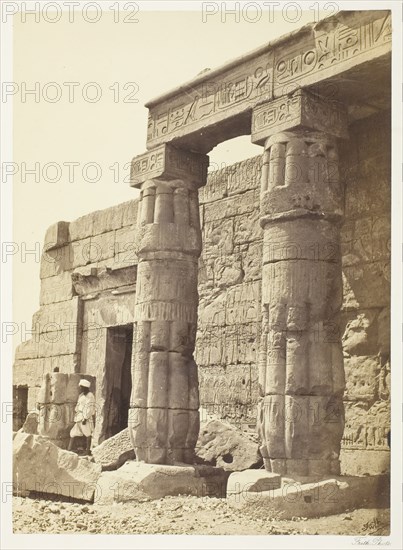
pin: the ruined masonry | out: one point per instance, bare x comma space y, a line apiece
260, 291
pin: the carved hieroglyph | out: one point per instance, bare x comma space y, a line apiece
314, 53
164, 416
301, 375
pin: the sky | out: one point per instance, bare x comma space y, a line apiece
74, 137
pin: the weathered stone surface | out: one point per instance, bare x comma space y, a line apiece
56, 402
30, 372
93, 350
362, 374
383, 339
41, 467
53, 262
57, 235
300, 110
56, 289
113, 452
59, 342
102, 246
28, 349
31, 423
359, 462
224, 180
163, 416
230, 392
360, 335
129, 212
33, 392
367, 425
109, 219
136, 481
300, 354
126, 242
252, 481
82, 227
314, 499
168, 163
222, 445
57, 316
92, 280
370, 283
69, 363
108, 310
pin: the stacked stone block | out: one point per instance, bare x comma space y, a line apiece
56, 402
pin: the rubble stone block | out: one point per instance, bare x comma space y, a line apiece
115, 451
137, 481
252, 481
41, 467
222, 445
30, 425
315, 498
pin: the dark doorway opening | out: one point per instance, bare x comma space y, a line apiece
118, 379
20, 406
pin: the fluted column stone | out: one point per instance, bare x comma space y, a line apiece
164, 416
301, 374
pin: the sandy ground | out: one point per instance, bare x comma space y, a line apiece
182, 515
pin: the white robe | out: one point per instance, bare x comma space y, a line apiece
85, 409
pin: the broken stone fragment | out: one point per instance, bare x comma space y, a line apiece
138, 481
115, 451
252, 481
39, 466
31, 423
221, 444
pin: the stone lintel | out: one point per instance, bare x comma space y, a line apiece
298, 111
169, 163
217, 105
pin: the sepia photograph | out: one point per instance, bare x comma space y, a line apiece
201, 274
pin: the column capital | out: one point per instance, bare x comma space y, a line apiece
166, 162
300, 110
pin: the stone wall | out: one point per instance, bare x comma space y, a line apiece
229, 289
88, 276
88, 261
366, 308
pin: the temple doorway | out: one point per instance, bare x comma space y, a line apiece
118, 378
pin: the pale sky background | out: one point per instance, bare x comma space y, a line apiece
160, 52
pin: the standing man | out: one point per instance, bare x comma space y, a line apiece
84, 416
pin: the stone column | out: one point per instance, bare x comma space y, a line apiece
301, 373
164, 416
